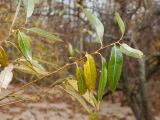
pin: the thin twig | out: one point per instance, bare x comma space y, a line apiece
34, 81
15, 16
9, 103
54, 72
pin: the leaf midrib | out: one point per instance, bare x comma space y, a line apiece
114, 64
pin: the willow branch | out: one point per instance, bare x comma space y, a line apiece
54, 72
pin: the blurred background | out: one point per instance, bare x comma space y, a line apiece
138, 94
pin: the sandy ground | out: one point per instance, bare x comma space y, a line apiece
60, 106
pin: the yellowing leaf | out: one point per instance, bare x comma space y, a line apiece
6, 76
80, 80
103, 79
93, 116
24, 44
27, 97
26, 67
3, 57
38, 67
71, 90
120, 23
86, 96
90, 73
124, 48
115, 67
45, 34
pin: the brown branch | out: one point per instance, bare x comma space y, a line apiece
54, 72
10, 103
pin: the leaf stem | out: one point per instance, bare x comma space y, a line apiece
54, 72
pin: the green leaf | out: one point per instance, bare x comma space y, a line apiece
45, 34
24, 44
80, 81
29, 7
103, 79
90, 73
120, 23
124, 48
115, 67
96, 24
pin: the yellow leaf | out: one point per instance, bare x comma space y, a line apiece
90, 73
3, 57
93, 116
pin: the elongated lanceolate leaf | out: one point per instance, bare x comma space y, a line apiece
45, 34
35, 69
90, 73
29, 7
71, 50
124, 48
86, 96
96, 24
80, 80
24, 44
3, 57
115, 67
103, 79
27, 97
71, 90
120, 23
